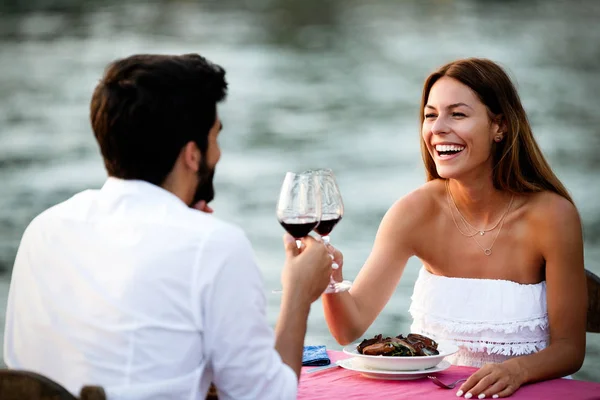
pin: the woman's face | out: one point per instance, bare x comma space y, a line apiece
457, 130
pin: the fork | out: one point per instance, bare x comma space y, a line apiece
441, 384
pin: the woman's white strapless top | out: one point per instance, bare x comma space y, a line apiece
490, 320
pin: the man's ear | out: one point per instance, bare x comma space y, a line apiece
191, 156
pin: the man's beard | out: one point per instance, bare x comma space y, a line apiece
205, 190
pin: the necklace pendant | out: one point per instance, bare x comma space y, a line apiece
487, 252
481, 233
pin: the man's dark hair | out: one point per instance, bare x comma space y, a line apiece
147, 107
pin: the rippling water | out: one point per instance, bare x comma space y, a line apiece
332, 84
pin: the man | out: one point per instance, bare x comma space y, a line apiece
132, 288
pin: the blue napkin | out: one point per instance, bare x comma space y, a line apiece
314, 356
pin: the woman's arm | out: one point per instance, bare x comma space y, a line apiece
562, 247
558, 229
349, 314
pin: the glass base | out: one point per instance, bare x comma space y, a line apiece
338, 287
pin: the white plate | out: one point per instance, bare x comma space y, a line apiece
402, 363
352, 365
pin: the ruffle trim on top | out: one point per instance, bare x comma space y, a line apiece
461, 326
502, 339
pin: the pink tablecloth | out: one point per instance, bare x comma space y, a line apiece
339, 383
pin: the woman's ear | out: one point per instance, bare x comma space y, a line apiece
500, 123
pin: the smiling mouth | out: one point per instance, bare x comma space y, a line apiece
448, 150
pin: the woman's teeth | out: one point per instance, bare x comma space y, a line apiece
448, 149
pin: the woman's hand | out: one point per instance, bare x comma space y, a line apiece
493, 381
338, 258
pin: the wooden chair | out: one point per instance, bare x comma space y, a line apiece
27, 385
593, 313
21, 385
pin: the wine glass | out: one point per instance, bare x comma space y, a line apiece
332, 211
299, 205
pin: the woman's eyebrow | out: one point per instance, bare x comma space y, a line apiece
458, 105
450, 106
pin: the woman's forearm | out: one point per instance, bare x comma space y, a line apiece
343, 317
556, 361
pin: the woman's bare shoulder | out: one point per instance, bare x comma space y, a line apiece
402, 226
555, 221
418, 204
549, 209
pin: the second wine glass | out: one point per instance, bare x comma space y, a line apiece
332, 211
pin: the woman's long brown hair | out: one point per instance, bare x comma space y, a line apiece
519, 166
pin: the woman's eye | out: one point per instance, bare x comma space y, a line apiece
429, 116
458, 114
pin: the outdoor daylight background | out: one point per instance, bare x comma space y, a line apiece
313, 83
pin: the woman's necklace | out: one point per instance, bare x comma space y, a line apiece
486, 251
481, 232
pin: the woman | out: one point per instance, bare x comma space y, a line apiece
498, 235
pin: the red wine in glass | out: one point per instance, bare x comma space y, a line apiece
299, 227
327, 224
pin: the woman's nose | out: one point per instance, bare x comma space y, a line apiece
439, 126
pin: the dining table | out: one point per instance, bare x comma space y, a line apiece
346, 384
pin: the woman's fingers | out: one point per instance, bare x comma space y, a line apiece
470, 383
508, 390
479, 388
337, 258
494, 389
491, 381
337, 255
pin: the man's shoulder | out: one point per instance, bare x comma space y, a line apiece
70, 207
194, 225
205, 223
208, 231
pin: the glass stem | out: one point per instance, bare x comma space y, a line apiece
332, 281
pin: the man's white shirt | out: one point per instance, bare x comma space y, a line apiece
128, 288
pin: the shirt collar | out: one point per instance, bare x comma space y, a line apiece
115, 186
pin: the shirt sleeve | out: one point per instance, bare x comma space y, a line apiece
239, 342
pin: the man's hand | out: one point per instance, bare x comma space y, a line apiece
203, 206
307, 271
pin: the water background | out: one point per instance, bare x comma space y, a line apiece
312, 84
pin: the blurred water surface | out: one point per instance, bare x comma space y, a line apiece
312, 84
